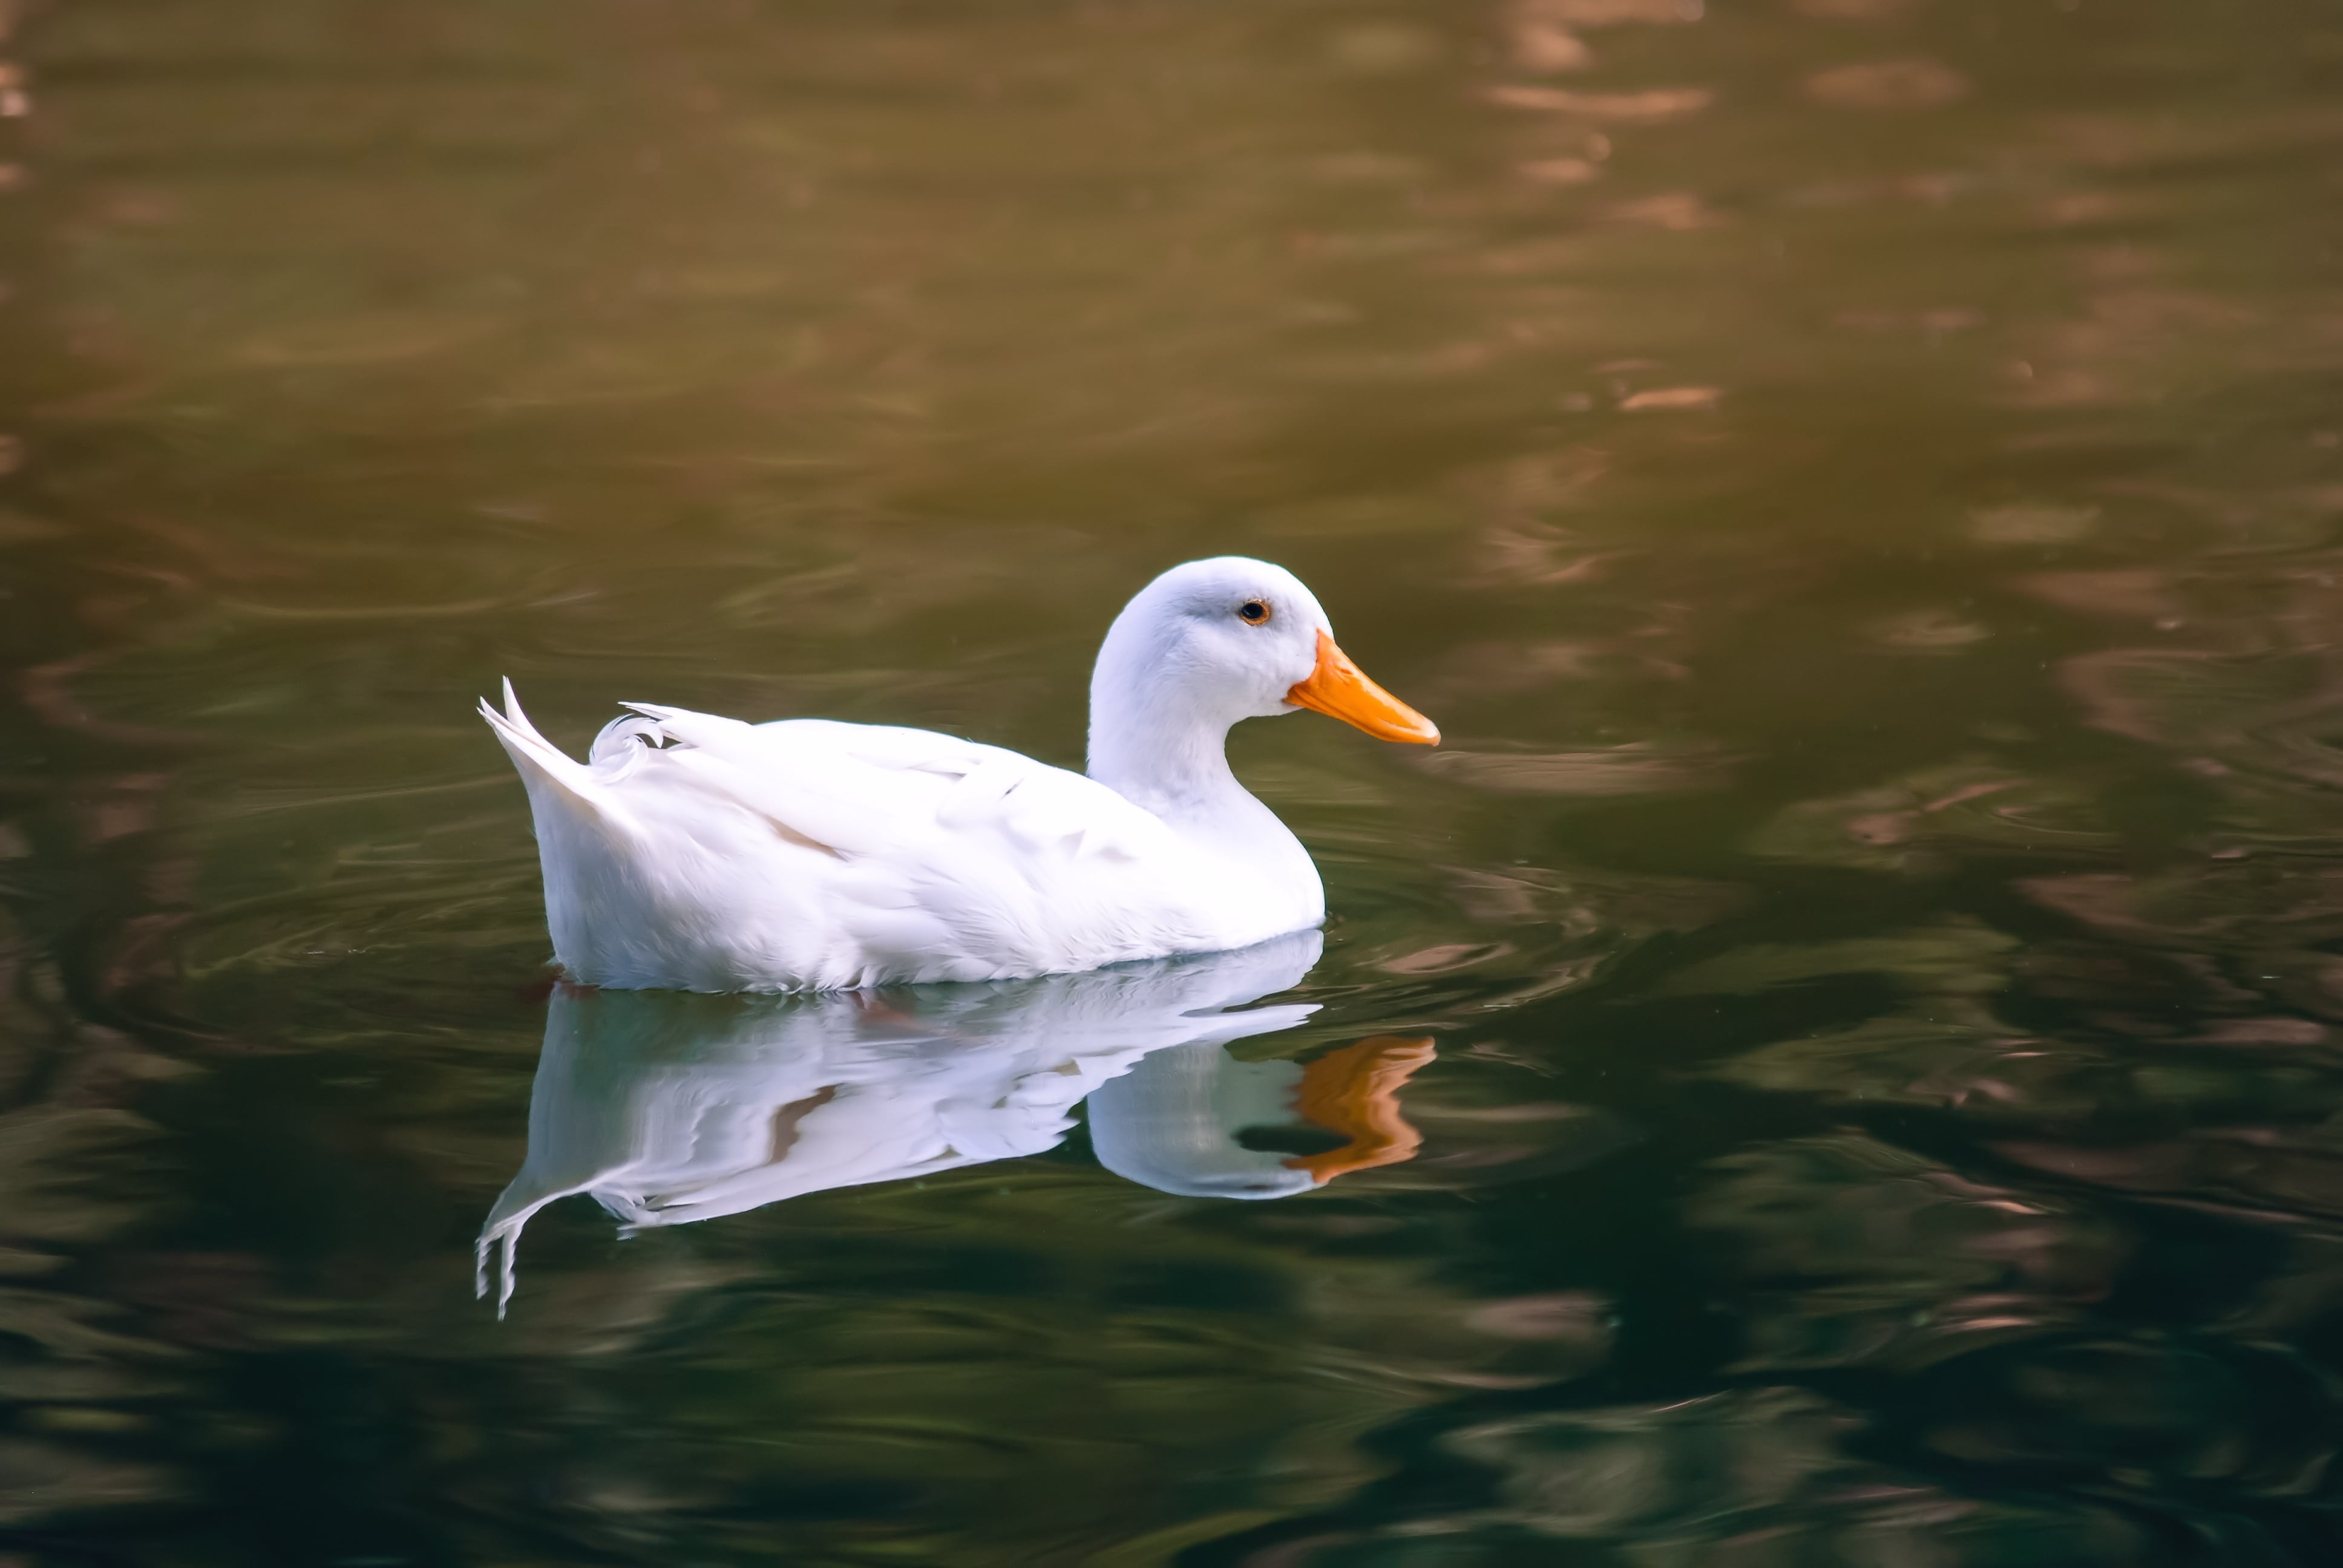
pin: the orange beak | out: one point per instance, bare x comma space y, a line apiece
1340, 689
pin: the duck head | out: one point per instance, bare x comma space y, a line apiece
1211, 643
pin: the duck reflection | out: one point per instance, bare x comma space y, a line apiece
672, 1107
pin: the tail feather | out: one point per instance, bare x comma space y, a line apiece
539, 760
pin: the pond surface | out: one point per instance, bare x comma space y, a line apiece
1835, 1061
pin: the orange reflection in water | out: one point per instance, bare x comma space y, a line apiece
1355, 1091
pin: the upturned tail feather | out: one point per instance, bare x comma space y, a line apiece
538, 758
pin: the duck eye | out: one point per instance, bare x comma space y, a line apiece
1253, 611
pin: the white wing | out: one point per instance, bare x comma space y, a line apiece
873, 789
705, 852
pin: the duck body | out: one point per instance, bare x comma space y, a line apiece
702, 853
706, 854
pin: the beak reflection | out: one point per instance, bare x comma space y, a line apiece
1196, 1121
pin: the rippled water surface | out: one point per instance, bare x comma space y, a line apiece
1835, 1062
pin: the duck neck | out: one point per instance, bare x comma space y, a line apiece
1151, 743
1179, 771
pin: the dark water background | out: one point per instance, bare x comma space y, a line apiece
1858, 482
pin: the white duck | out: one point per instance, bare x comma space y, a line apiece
706, 854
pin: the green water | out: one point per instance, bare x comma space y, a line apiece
1856, 481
